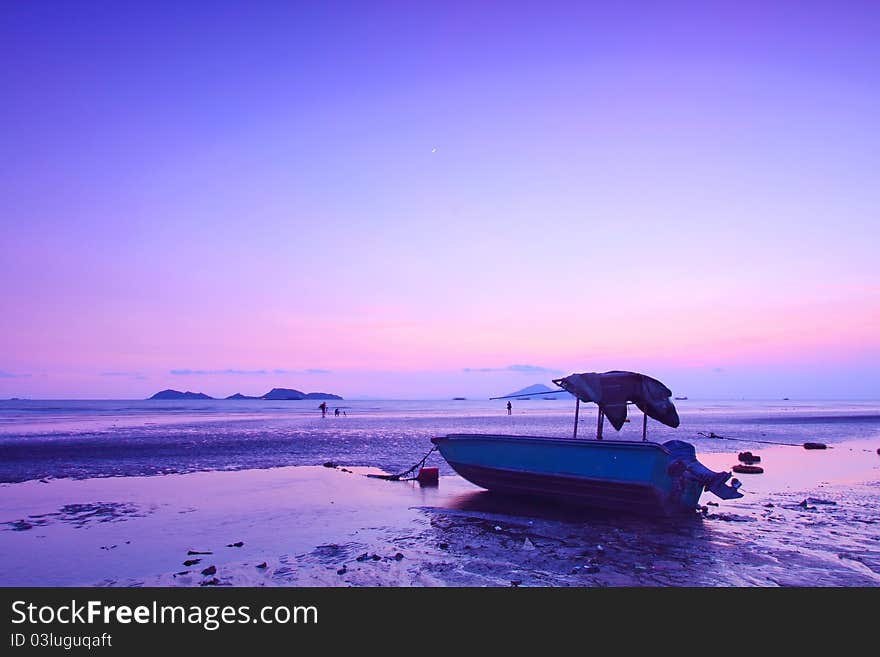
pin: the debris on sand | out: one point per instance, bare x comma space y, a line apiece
592, 569
262, 565
815, 500
342, 570
192, 552
729, 517
528, 545
210, 582
210, 570
363, 557
331, 464
191, 562
236, 544
398, 556
181, 572
19, 526
515, 582
748, 469
748, 458
443, 546
815, 446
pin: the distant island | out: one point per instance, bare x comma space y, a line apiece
176, 394
273, 394
539, 389
289, 393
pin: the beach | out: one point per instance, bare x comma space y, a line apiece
811, 519
255, 252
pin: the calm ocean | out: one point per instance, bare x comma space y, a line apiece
80, 439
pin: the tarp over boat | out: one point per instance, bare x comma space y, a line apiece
612, 390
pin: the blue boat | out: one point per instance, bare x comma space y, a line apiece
617, 475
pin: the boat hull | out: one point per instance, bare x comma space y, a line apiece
612, 475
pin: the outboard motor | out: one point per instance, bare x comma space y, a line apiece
683, 462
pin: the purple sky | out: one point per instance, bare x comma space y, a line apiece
396, 200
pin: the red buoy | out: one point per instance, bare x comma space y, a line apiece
429, 476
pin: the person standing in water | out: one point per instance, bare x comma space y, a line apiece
323, 408
509, 408
336, 412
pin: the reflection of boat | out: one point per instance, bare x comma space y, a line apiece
631, 475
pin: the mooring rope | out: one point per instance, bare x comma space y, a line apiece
712, 434
400, 476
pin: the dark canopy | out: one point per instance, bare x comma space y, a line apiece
612, 390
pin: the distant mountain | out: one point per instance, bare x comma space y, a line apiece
321, 395
176, 394
273, 394
284, 393
291, 394
539, 389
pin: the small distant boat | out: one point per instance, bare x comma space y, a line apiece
618, 475
459, 399
680, 398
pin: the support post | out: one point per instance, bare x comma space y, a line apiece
644, 427
600, 424
577, 410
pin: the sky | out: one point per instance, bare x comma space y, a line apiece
424, 200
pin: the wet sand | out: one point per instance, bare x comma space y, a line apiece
811, 520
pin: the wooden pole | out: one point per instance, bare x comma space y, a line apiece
600, 424
644, 427
577, 410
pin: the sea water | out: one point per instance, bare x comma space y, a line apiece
79, 439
